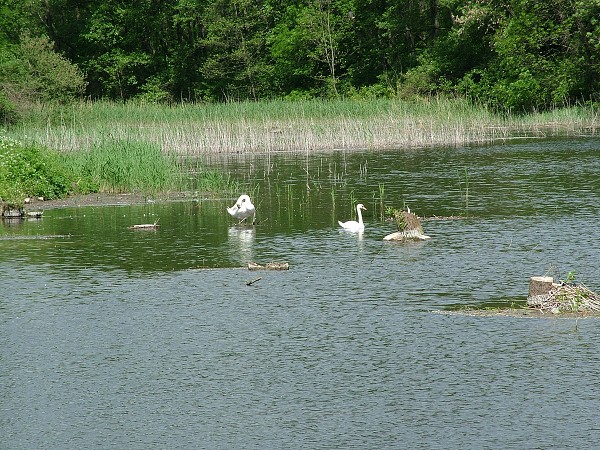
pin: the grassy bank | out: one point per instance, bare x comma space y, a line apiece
113, 166
110, 147
293, 126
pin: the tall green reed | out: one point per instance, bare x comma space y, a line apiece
123, 166
192, 129
381, 202
463, 180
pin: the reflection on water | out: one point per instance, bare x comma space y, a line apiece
241, 240
113, 338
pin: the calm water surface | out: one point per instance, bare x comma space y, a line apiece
113, 338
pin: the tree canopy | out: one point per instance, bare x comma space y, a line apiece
516, 54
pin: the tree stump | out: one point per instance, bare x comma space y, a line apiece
539, 290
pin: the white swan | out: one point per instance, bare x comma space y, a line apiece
353, 225
243, 209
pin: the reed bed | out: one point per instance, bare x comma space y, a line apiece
279, 126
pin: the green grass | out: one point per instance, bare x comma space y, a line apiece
114, 147
196, 129
122, 166
114, 166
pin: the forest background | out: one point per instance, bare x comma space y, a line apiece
516, 55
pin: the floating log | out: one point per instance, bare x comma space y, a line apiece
145, 226
269, 266
409, 228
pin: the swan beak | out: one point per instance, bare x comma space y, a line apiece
363, 208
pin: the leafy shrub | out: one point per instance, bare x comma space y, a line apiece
522, 94
49, 74
30, 171
8, 111
154, 91
32, 72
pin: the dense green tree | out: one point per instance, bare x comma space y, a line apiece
186, 52
311, 46
119, 45
368, 44
540, 53
516, 54
236, 65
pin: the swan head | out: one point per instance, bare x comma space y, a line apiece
242, 208
361, 206
243, 199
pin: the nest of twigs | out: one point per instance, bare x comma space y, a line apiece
569, 298
406, 221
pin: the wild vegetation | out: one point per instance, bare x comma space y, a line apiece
517, 55
31, 170
569, 296
279, 125
108, 95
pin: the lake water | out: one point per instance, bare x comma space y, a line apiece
114, 338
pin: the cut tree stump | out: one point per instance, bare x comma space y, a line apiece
539, 290
545, 295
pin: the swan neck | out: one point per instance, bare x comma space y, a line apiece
360, 221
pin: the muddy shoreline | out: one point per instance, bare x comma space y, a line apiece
129, 199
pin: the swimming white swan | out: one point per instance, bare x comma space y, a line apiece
353, 225
243, 209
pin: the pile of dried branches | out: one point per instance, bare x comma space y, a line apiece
570, 298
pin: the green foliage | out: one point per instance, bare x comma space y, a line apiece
31, 72
570, 278
235, 66
8, 111
542, 55
154, 91
17, 16
47, 74
30, 171
517, 55
398, 216
122, 166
